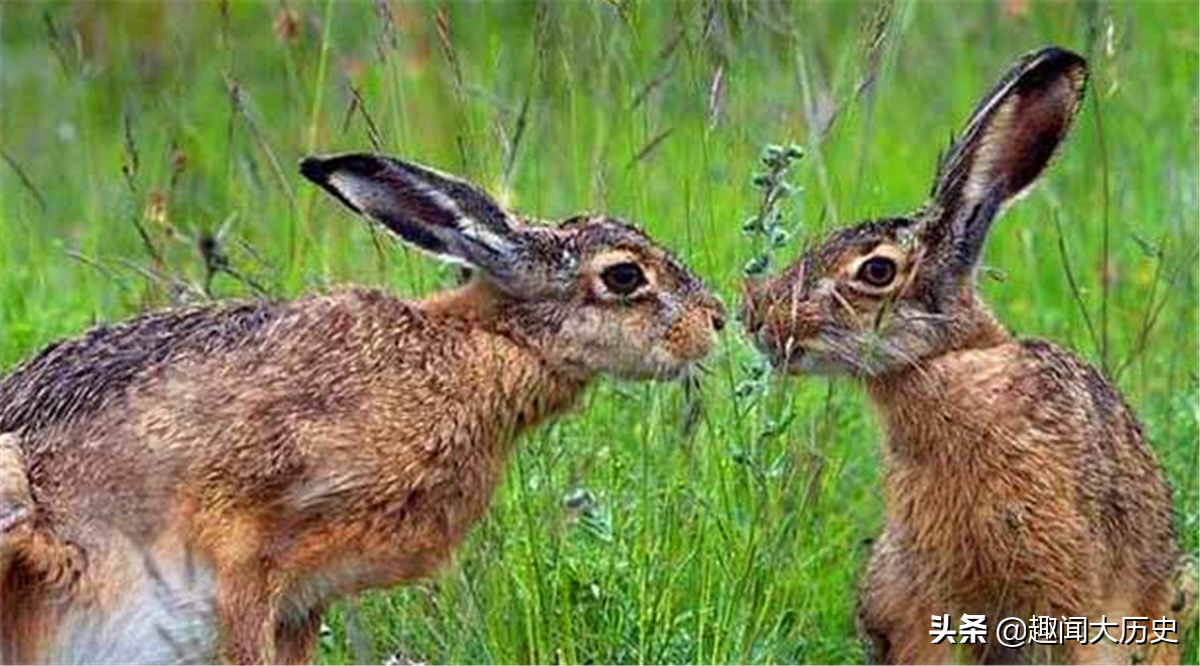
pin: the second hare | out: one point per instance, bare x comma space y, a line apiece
1018, 482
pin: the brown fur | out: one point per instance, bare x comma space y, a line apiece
1017, 479
247, 464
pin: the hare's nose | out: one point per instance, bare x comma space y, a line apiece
750, 318
751, 314
718, 321
715, 309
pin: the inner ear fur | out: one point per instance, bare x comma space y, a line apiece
1011, 137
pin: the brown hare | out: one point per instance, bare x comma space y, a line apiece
1017, 479
204, 482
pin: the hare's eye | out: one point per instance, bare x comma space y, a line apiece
877, 271
624, 278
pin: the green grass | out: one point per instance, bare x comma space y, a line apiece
741, 542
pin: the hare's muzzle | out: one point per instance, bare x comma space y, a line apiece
767, 322
751, 313
694, 334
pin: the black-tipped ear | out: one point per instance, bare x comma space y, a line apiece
434, 211
1010, 138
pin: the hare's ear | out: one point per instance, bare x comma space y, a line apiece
1012, 135
436, 212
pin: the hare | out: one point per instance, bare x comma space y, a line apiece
204, 482
1017, 479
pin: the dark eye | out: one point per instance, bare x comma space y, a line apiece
877, 271
623, 279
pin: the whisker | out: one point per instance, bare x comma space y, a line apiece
931, 316
837, 296
840, 344
908, 359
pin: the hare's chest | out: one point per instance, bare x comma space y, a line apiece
396, 530
968, 525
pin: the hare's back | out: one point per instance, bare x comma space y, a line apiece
1118, 482
115, 424
74, 379
78, 380
1072, 396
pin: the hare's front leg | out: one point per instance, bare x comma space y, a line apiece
247, 609
296, 637
895, 612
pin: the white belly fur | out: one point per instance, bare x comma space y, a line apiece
160, 609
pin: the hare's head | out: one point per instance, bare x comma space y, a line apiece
592, 294
886, 294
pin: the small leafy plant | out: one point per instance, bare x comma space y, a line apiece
769, 229
768, 225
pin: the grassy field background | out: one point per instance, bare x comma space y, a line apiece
149, 158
